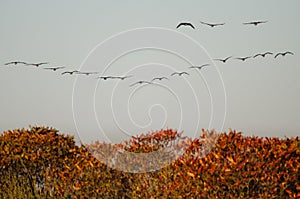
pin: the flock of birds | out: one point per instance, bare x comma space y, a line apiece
212, 25
161, 78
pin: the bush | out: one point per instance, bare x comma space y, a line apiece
41, 163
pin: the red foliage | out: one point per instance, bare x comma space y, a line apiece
39, 162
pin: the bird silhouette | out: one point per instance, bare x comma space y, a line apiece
37, 64
15, 63
255, 23
140, 82
243, 58
223, 60
70, 72
106, 77
54, 68
180, 73
199, 67
159, 78
87, 73
212, 24
123, 77
185, 24
262, 54
283, 54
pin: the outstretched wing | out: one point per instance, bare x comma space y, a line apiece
185, 24
277, 55
257, 55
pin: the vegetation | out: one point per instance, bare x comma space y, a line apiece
41, 163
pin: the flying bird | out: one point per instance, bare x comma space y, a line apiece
37, 64
186, 24
199, 67
15, 63
262, 54
122, 77
140, 82
54, 68
70, 72
255, 23
223, 60
284, 54
180, 73
105, 77
87, 73
243, 58
159, 78
212, 24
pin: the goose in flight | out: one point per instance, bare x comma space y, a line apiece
199, 67
15, 63
262, 54
283, 54
180, 73
54, 68
122, 77
140, 82
37, 64
70, 72
159, 78
105, 77
212, 24
87, 73
114, 77
243, 58
255, 23
185, 24
223, 60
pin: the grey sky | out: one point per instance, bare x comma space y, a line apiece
262, 94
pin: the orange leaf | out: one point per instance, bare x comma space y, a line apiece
191, 174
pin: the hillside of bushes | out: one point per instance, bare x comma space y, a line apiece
40, 162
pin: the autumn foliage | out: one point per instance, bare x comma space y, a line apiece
41, 163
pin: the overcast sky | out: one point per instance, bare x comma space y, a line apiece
259, 96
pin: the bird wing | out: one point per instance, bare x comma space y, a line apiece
257, 55
277, 55
191, 25
127, 76
185, 73
43, 63
180, 24
154, 79
205, 23
218, 59
288, 52
176, 73
205, 65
